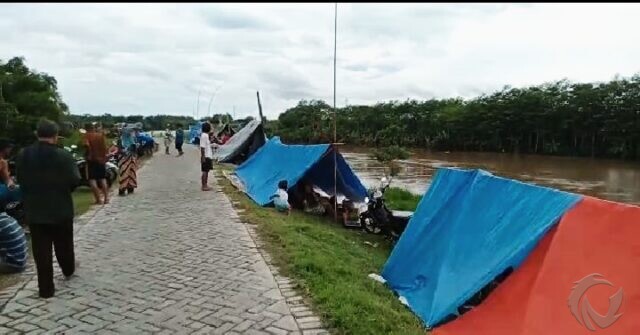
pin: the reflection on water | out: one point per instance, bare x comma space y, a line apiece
607, 179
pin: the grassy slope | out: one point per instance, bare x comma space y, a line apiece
330, 264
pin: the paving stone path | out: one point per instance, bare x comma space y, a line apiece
167, 260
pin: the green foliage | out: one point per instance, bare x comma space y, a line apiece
401, 199
25, 97
390, 153
559, 118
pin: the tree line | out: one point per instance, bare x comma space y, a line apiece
152, 122
27, 95
558, 118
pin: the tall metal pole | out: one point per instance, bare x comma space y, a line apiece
198, 105
335, 135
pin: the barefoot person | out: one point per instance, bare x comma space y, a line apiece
47, 175
206, 155
96, 155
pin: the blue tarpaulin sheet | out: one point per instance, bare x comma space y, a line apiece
194, 132
275, 161
469, 228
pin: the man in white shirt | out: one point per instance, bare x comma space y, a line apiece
206, 155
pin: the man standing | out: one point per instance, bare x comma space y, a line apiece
206, 155
47, 175
179, 139
96, 156
168, 137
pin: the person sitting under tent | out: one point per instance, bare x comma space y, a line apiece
313, 200
224, 138
281, 198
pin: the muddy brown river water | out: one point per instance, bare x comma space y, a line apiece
607, 179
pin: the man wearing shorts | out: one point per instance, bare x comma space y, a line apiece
206, 155
179, 139
96, 155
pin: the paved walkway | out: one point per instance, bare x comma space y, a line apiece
168, 259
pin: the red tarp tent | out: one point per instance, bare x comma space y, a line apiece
595, 237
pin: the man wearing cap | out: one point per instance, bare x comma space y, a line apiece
47, 175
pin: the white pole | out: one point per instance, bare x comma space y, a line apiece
335, 136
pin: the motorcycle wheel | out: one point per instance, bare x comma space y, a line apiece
111, 177
369, 226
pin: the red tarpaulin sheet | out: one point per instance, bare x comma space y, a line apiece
595, 237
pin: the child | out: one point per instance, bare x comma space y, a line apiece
281, 198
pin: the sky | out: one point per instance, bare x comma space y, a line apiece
154, 58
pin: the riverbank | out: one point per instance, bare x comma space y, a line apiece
614, 180
329, 265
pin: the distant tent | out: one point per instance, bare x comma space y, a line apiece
194, 133
595, 237
275, 161
468, 229
242, 145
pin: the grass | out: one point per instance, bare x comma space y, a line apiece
401, 199
330, 265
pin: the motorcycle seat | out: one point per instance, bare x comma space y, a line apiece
401, 214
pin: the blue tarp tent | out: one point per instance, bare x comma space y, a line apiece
194, 132
145, 140
275, 161
469, 228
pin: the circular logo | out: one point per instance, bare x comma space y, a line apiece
582, 309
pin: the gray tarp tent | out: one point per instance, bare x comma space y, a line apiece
242, 145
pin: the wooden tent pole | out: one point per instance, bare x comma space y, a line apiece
259, 107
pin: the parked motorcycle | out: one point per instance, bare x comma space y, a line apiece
378, 219
111, 166
15, 207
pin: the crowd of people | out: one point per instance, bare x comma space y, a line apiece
44, 179
46, 176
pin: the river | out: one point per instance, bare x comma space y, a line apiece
607, 179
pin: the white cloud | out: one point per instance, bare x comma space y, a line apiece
155, 58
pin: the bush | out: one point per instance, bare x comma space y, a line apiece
390, 153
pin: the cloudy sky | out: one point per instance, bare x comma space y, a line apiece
154, 58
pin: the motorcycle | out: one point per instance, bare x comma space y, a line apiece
15, 207
378, 219
111, 166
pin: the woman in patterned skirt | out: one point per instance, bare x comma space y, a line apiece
127, 161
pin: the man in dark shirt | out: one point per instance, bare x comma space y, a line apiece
47, 175
179, 139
